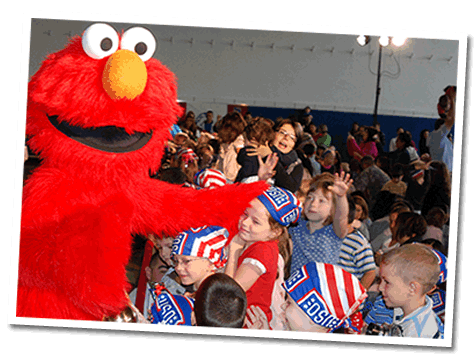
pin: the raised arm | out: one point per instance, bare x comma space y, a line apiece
340, 188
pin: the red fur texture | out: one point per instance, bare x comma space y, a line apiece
81, 206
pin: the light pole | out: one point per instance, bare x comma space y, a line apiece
383, 42
378, 88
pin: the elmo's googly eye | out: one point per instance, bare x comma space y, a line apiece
100, 40
140, 41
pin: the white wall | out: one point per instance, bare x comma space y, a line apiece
216, 67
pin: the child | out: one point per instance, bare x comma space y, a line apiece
320, 298
187, 161
362, 222
197, 253
163, 246
356, 256
436, 219
382, 230
220, 302
154, 273
408, 274
259, 132
319, 236
408, 227
254, 251
396, 185
327, 162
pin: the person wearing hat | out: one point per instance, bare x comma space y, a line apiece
254, 251
198, 253
321, 297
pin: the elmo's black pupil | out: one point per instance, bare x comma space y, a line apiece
106, 44
140, 48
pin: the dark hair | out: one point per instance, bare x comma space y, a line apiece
260, 130
156, 260
297, 128
438, 123
434, 243
440, 176
405, 138
409, 224
421, 135
351, 209
367, 160
309, 149
232, 125
220, 302
173, 175
436, 217
361, 201
397, 170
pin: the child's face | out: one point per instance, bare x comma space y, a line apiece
358, 212
329, 159
156, 273
297, 320
254, 224
192, 270
166, 249
318, 206
395, 291
396, 179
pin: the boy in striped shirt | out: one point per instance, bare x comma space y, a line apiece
356, 255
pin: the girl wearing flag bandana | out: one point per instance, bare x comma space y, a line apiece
254, 251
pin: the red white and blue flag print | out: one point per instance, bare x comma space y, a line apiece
326, 293
203, 242
282, 205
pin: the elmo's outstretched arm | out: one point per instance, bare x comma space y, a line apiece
172, 209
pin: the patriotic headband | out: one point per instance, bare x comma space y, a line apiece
168, 309
282, 205
210, 178
186, 155
328, 294
442, 265
417, 174
204, 242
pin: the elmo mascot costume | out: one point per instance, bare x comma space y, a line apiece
99, 114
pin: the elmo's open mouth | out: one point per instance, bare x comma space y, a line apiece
106, 138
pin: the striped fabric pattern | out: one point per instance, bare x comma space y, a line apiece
210, 178
326, 293
356, 255
282, 205
204, 242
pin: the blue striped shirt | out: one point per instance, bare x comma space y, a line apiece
356, 255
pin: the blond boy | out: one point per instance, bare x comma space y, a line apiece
408, 273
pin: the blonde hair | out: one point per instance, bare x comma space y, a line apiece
321, 182
414, 262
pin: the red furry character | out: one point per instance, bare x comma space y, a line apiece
99, 114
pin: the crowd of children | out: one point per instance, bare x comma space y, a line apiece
331, 246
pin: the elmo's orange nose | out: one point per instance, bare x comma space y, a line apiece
125, 75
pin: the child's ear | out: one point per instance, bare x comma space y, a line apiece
148, 273
277, 232
415, 288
